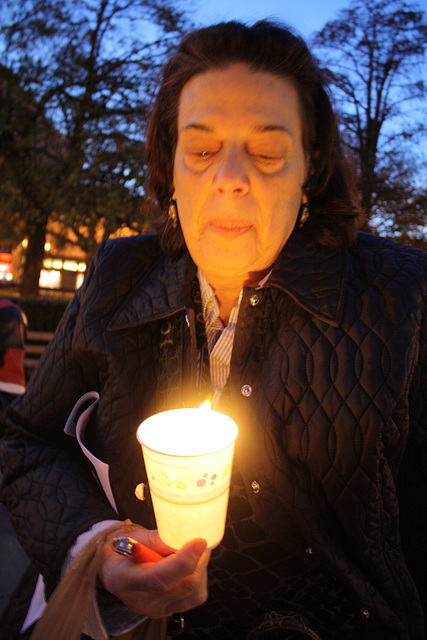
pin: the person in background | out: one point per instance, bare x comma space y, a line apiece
257, 288
13, 323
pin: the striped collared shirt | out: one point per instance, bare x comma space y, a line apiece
219, 338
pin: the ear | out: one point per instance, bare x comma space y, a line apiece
313, 159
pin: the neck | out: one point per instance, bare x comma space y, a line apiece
227, 291
227, 294
226, 301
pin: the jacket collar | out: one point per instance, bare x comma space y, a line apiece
313, 276
164, 290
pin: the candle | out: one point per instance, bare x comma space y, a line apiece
188, 456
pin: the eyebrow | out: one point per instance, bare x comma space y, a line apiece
271, 127
257, 129
198, 127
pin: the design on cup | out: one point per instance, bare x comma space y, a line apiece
202, 482
186, 483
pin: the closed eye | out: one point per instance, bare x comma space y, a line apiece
202, 154
267, 157
199, 157
266, 162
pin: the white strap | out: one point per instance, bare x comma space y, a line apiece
77, 429
37, 605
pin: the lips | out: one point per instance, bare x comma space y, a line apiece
229, 228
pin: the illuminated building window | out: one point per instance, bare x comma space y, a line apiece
70, 265
79, 279
50, 279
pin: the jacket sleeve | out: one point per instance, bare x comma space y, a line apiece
412, 487
48, 486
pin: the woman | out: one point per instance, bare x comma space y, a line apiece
257, 289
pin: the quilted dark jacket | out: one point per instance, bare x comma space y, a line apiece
327, 384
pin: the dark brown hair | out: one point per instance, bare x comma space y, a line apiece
267, 47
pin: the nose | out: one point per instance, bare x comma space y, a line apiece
231, 176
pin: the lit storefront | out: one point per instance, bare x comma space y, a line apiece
66, 275
64, 263
64, 267
6, 269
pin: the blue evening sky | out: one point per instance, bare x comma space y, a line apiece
306, 16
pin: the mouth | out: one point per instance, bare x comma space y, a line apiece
228, 228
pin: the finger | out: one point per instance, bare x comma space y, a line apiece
191, 591
148, 537
119, 573
151, 538
187, 594
167, 573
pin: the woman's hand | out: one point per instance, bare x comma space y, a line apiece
156, 590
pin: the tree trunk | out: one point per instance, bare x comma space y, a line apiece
33, 260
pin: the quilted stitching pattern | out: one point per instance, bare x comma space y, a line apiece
339, 411
329, 353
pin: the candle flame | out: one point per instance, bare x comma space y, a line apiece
206, 405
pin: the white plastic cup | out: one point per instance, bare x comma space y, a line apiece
188, 455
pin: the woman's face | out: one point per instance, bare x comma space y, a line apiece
239, 170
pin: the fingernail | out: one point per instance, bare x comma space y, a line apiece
198, 546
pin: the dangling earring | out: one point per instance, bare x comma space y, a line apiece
304, 214
173, 213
